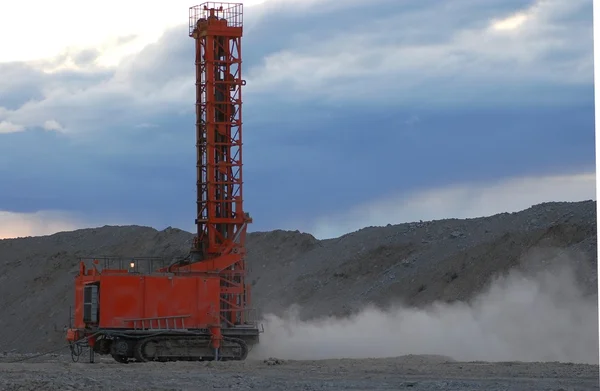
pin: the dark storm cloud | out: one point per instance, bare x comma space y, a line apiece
129, 149
279, 26
170, 58
46, 170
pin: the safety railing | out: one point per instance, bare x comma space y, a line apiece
231, 12
143, 265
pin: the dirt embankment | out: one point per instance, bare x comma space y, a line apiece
415, 264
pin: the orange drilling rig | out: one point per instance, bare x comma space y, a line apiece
196, 308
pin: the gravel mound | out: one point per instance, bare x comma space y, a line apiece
416, 263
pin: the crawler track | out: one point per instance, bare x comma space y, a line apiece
188, 348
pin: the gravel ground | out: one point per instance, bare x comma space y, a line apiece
408, 372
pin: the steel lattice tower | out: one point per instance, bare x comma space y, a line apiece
221, 222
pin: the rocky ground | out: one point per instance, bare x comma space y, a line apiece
409, 372
417, 288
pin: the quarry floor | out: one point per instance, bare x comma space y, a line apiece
409, 372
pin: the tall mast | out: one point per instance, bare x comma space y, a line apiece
217, 30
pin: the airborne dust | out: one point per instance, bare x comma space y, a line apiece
541, 316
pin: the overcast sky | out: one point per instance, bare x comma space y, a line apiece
356, 113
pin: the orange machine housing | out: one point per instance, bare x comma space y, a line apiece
130, 300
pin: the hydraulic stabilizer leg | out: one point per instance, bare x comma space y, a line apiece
216, 339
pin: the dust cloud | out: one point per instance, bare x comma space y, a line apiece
542, 316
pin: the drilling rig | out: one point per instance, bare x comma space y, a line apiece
196, 308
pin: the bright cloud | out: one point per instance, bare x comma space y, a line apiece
48, 222
73, 24
14, 225
52, 125
459, 201
510, 23
9, 127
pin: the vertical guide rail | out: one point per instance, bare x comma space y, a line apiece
200, 243
221, 222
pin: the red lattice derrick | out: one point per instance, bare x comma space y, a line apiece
219, 126
221, 221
